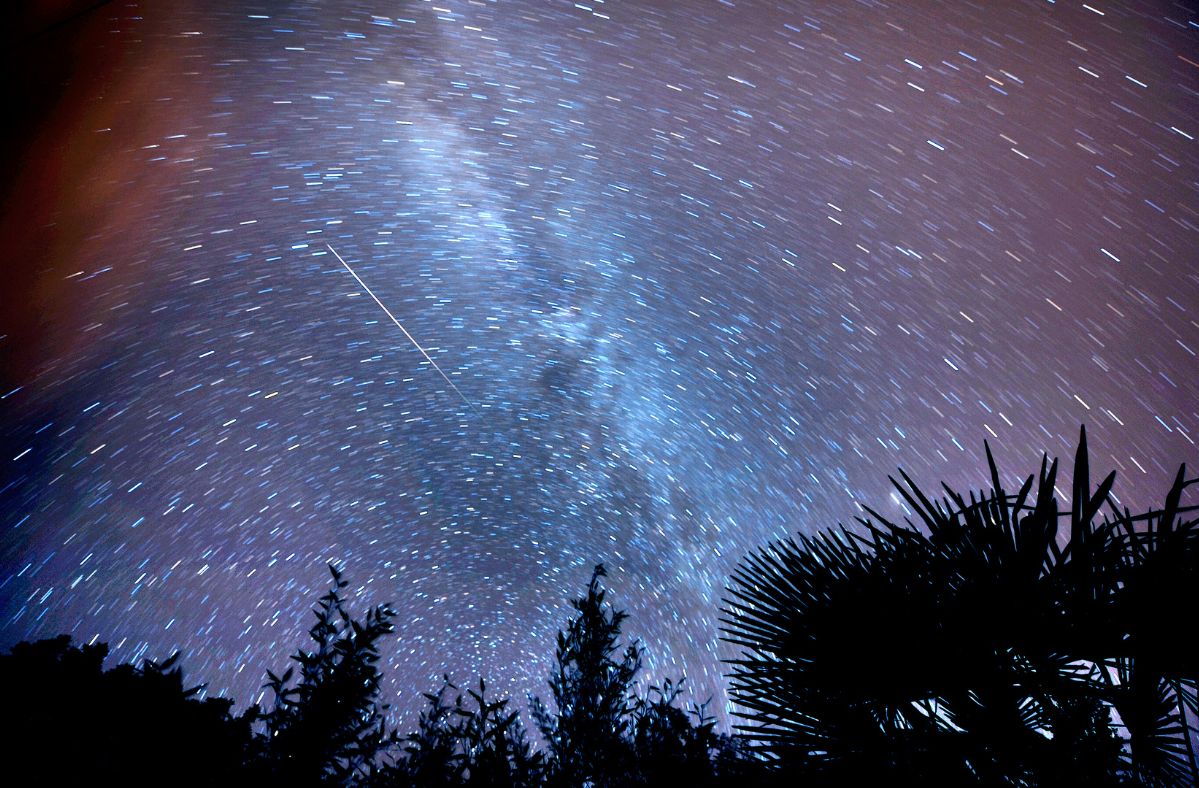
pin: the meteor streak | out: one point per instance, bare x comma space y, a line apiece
371, 293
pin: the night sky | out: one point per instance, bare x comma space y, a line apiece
706, 272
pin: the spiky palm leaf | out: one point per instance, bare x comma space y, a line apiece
958, 645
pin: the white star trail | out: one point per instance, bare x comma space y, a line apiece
710, 272
400, 326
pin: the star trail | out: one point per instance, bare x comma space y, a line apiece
696, 276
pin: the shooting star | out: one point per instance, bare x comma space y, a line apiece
371, 293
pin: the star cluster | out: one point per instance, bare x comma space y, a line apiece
705, 274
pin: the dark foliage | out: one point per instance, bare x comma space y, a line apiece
991, 639
603, 734
995, 640
73, 723
600, 732
590, 687
329, 726
673, 746
472, 741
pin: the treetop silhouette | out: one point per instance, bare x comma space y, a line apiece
330, 723
995, 638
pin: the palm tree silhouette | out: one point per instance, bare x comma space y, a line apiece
995, 639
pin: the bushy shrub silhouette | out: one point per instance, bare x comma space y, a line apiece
601, 732
73, 723
991, 639
673, 746
590, 687
470, 741
987, 643
329, 725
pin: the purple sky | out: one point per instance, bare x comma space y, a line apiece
708, 272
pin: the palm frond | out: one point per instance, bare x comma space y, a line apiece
973, 639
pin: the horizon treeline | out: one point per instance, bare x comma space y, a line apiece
992, 638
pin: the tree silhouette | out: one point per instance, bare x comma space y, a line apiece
997, 638
603, 733
670, 748
77, 724
329, 726
984, 645
432, 755
590, 687
471, 741
496, 749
